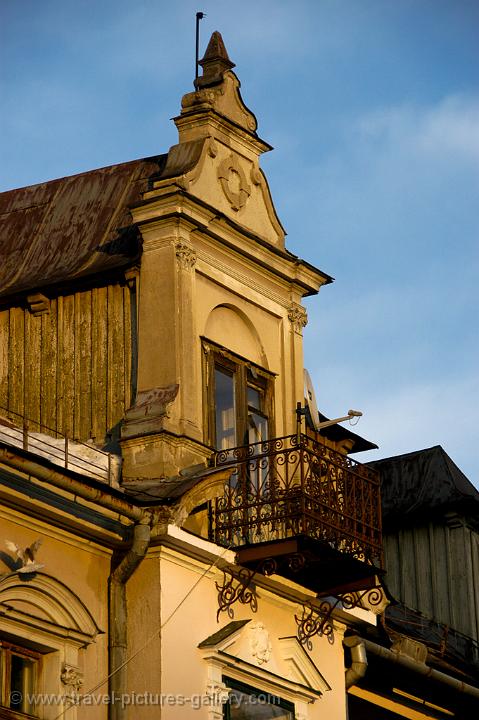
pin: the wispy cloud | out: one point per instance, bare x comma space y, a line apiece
450, 128
397, 223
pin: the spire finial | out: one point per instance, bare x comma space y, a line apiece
215, 62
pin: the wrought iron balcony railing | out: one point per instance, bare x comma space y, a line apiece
296, 486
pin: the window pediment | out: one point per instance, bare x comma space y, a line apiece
46, 603
249, 652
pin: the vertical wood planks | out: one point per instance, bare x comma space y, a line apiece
127, 347
116, 370
4, 345
69, 370
16, 355
99, 362
67, 365
83, 364
48, 376
33, 344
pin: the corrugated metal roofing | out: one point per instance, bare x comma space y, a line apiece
71, 227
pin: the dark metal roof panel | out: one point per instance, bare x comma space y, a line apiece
74, 226
223, 633
422, 481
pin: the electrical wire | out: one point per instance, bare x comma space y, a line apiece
152, 636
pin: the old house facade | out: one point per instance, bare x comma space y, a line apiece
203, 537
430, 631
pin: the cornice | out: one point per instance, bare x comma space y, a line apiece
17, 517
179, 206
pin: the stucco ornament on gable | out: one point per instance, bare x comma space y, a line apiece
260, 643
218, 145
149, 410
233, 181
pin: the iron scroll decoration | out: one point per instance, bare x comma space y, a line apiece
316, 617
237, 587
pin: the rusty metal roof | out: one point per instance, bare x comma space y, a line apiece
71, 227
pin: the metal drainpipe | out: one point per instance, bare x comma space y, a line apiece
118, 630
413, 665
117, 620
359, 658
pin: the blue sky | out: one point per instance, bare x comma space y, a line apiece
373, 109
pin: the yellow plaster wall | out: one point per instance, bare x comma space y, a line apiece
84, 568
184, 671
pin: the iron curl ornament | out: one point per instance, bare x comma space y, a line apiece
236, 587
372, 597
315, 620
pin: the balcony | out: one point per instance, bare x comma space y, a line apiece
296, 507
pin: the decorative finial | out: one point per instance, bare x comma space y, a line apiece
215, 62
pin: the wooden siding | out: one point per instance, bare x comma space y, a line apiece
434, 569
69, 371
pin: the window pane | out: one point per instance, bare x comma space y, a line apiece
254, 398
257, 428
21, 683
225, 410
243, 706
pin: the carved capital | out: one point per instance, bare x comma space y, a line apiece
71, 677
185, 255
218, 693
298, 317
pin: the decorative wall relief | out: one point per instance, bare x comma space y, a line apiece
234, 183
260, 643
72, 678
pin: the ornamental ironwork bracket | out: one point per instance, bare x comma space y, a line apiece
316, 617
315, 620
237, 587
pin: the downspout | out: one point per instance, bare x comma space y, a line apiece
117, 619
118, 628
410, 664
359, 659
